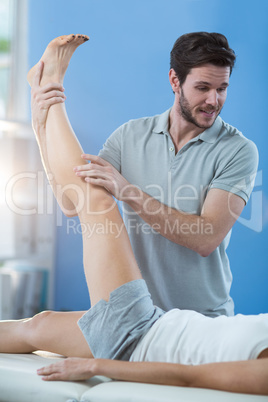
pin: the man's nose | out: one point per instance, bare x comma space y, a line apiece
212, 98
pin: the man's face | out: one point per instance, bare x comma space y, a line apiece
203, 94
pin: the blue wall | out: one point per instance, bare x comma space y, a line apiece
122, 73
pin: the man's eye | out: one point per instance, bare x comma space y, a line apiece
202, 88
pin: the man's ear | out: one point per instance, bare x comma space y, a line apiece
174, 81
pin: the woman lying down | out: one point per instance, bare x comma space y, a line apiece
123, 336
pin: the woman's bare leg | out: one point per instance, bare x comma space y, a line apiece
108, 258
109, 261
56, 45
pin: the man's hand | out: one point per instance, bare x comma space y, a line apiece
43, 97
101, 173
71, 369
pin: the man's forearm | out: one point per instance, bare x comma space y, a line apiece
188, 230
203, 233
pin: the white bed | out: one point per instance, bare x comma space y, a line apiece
20, 383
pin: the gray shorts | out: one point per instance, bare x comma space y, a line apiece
113, 329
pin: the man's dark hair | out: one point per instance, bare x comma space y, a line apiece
197, 48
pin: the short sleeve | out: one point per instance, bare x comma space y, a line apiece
111, 150
238, 175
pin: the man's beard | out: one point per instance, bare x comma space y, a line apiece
186, 113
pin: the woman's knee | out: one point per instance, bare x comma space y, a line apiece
34, 327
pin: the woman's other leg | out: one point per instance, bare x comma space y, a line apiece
56, 332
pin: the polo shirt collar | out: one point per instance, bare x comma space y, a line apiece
162, 123
210, 135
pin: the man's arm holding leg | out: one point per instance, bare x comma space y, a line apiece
203, 233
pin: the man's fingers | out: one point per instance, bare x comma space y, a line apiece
53, 94
95, 159
93, 173
90, 166
47, 99
45, 104
53, 86
38, 74
53, 101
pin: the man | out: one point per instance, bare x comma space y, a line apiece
185, 177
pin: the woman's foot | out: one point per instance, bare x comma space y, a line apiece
56, 58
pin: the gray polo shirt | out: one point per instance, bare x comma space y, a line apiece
220, 157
